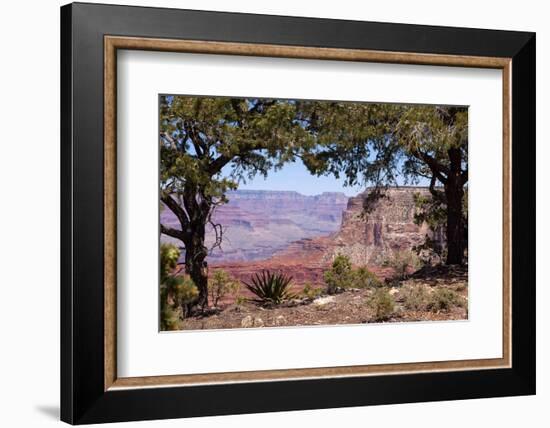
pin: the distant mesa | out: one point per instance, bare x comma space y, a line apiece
258, 223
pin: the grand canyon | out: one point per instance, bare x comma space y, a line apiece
256, 230
300, 235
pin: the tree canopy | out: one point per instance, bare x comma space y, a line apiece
208, 146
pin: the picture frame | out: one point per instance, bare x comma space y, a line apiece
91, 390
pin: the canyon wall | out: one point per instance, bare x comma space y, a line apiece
369, 237
300, 235
259, 223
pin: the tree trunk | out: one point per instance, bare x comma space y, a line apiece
454, 192
195, 265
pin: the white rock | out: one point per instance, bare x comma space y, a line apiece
247, 322
393, 291
258, 322
280, 320
322, 301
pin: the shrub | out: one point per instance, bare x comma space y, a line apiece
270, 288
401, 261
176, 292
169, 255
220, 285
382, 304
340, 275
415, 297
311, 292
239, 301
444, 299
364, 278
170, 318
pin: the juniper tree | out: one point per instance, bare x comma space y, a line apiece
375, 144
207, 147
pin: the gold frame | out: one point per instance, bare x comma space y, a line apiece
113, 43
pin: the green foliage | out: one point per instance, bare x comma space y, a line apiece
364, 278
270, 288
310, 292
375, 143
208, 145
220, 285
415, 297
382, 304
200, 135
430, 210
169, 255
444, 299
176, 292
401, 261
170, 317
240, 300
185, 290
340, 276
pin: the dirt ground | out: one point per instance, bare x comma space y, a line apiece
349, 307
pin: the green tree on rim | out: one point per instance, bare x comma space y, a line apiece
207, 147
374, 144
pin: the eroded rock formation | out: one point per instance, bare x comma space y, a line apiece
368, 238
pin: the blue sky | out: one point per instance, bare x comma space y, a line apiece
295, 176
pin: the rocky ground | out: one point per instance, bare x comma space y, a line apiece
431, 294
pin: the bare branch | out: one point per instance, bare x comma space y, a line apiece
169, 231
176, 208
437, 168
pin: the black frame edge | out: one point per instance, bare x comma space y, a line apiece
83, 399
66, 316
524, 219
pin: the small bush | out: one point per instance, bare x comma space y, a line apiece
186, 291
444, 299
364, 278
169, 255
177, 292
340, 276
270, 288
310, 292
220, 285
415, 297
382, 304
170, 318
401, 262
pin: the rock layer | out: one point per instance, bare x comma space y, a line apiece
259, 223
368, 238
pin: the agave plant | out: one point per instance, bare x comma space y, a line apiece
270, 288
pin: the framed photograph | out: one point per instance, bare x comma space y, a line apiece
267, 213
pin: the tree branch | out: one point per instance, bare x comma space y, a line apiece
436, 167
178, 211
217, 164
438, 195
174, 233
